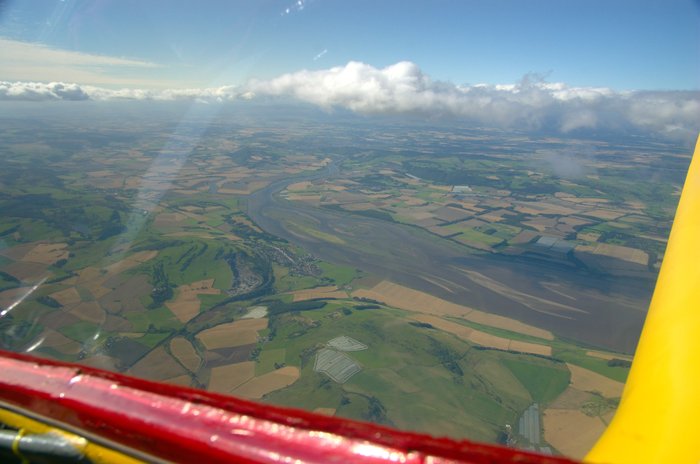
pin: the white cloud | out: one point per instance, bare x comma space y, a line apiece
403, 88
23, 61
40, 92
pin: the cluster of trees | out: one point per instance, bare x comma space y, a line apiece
8, 281
367, 306
190, 255
448, 358
279, 307
615, 362
162, 287
48, 301
421, 325
112, 227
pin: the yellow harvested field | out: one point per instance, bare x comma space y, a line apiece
319, 292
67, 297
588, 237
224, 379
587, 380
632, 255
608, 356
89, 311
185, 353
325, 411
482, 338
506, 323
258, 387
488, 340
402, 297
571, 398
242, 332
46, 253
492, 217
459, 330
527, 347
571, 432
186, 305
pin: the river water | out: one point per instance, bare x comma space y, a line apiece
607, 312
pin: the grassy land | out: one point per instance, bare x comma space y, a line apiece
341, 275
544, 380
268, 359
414, 378
575, 355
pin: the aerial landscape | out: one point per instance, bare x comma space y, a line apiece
452, 275
237, 270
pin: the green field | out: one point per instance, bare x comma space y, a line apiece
414, 378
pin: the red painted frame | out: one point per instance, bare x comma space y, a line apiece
179, 424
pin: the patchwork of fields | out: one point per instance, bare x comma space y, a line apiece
259, 262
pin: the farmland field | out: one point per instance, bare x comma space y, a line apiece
437, 279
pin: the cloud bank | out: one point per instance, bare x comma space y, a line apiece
403, 88
22, 60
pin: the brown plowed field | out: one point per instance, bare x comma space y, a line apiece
157, 365
185, 353
224, 379
46, 253
260, 386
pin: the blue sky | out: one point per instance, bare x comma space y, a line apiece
619, 44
